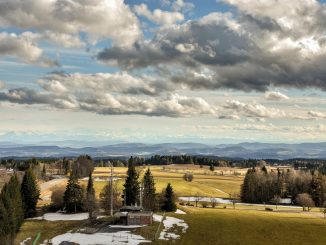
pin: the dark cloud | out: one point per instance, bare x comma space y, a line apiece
250, 51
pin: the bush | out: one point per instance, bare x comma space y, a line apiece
204, 204
57, 197
268, 209
181, 203
188, 177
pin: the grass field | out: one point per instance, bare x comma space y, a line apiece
248, 227
243, 225
205, 183
48, 229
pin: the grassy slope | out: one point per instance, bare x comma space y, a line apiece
48, 229
205, 183
228, 226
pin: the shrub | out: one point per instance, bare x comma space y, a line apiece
268, 209
57, 197
204, 204
188, 177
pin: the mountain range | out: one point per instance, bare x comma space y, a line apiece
242, 150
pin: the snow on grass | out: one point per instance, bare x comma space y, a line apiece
170, 223
49, 184
117, 238
180, 212
26, 240
61, 216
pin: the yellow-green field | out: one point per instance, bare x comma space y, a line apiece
210, 226
205, 182
248, 227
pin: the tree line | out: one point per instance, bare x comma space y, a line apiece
18, 200
76, 198
261, 185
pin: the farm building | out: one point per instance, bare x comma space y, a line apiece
131, 215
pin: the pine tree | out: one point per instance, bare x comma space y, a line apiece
149, 191
169, 201
11, 209
30, 193
73, 196
131, 185
4, 224
90, 198
316, 190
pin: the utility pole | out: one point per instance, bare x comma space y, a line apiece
141, 195
111, 189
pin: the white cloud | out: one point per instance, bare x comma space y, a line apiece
181, 5
254, 110
23, 47
159, 16
275, 96
97, 18
317, 114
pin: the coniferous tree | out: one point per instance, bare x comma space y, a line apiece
149, 191
4, 225
90, 198
131, 191
169, 201
73, 196
30, 193
12, 213
316, 190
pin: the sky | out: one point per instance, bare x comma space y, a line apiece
208, 71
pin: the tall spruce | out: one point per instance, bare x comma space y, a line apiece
169, 199
11, 210
90, 198
316, 190
149, 191
131, 191
4, 225
73, 196
30, 193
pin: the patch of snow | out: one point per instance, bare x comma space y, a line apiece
205, 199
99, 179
47, 185
117, 238
157, 217
26, 240
180, 212
61, 216
169, 223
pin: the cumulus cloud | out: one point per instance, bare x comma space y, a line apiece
254, 110
97, 18
159, 16
121, 82
274, 95
23, 47
109, 94
317, 114
265, 44
181, 5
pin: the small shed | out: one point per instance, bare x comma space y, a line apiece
132, 215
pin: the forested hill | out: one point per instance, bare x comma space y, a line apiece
242, 150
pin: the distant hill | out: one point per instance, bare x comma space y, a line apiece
242, 150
